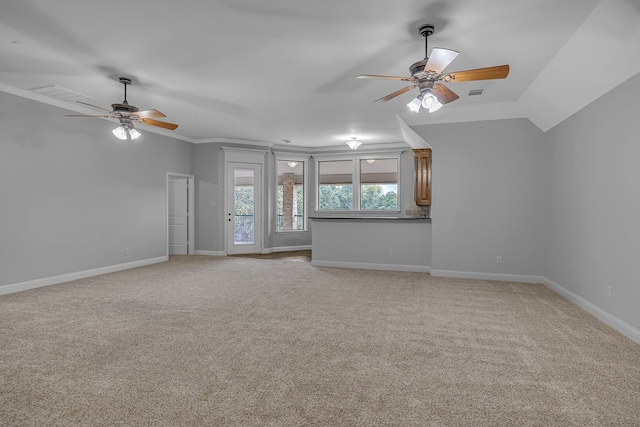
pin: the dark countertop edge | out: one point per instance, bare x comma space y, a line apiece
369, 218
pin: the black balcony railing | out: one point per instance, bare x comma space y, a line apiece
243, 229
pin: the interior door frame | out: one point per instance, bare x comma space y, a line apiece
250, 156
190, 214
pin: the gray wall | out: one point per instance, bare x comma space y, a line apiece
592, 203
391, 244
209, 204
74, 197
488, 187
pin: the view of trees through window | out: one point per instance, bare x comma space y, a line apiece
379, 197
377, 182
335, 197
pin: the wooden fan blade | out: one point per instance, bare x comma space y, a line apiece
375, 76
489, 73
86, 115
394, 94
440, 59
158, 123
149, 113
93, 106
444, 94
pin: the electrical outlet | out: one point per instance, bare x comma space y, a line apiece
498, 259
608, 291
390, 252
126, 251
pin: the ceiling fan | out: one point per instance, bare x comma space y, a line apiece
127, 114
428, 76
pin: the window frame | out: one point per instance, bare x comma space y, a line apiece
356, 158
292, 157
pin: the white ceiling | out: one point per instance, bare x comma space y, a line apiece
269, 71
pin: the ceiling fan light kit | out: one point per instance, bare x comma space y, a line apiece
126, 131
127, 114
428, 76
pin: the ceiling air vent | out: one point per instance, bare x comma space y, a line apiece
58, 92
476, 92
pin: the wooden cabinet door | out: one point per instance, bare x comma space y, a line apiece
422, 185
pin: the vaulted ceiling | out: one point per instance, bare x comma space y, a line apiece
274, 71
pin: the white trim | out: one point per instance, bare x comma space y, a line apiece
247, 156
244, 155
286, 249
343, 149
358, 155
356, 180
617, 324
306, 161
47, 281
371, 266
255, 158
287, 155
487, 276
210, 253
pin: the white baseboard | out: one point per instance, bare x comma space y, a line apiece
617, 324
487, 276
371, 266
286, 249
47, 281
264, 251
210, 253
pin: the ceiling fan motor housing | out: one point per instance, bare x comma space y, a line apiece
124, 108
418, 67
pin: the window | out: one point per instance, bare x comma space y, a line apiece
335, 185
290, 195
364, 184
379, 184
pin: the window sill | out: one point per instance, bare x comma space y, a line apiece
368, 218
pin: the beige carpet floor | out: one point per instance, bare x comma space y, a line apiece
241, 341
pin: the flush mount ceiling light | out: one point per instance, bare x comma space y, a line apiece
126, 130
292, 164
353, 143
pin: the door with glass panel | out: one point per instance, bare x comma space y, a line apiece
244, 208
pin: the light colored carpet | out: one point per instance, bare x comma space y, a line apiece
241, 341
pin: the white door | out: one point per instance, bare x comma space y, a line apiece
178, 215
244, 208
